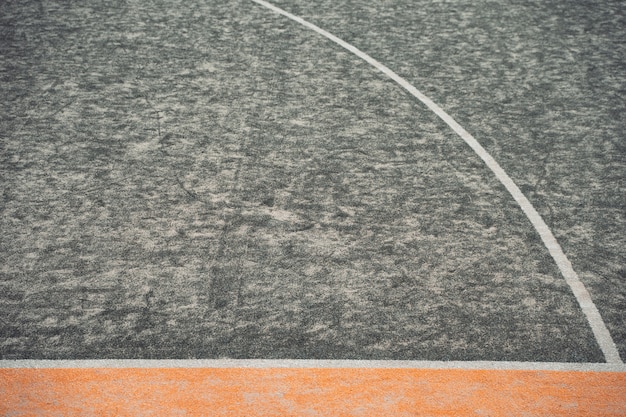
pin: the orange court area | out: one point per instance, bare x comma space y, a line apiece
310, 392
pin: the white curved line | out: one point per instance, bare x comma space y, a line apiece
600, 331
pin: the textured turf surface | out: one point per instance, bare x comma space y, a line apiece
311, 392
207, 179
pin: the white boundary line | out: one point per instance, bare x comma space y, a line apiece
600, 331
307, 363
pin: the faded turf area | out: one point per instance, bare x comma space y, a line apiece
542, 86
207, 179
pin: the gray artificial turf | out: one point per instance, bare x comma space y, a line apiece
542, 86
207, 179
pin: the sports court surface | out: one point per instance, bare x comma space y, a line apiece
390, 207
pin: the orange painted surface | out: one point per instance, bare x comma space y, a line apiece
309, 392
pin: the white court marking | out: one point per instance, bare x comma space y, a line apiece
309, 363
600, 331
